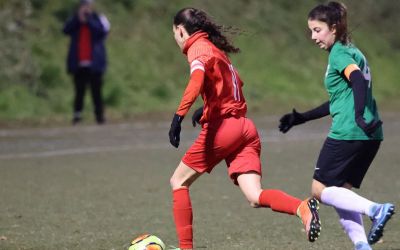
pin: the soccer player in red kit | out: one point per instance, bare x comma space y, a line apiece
226, 134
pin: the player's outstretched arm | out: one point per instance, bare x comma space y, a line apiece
289, 120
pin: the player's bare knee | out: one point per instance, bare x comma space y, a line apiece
316, 189
176, 182
253, 197
316, 192
253, 201
316, 195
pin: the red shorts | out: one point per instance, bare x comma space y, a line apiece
232, 139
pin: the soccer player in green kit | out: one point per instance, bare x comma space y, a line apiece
356, 131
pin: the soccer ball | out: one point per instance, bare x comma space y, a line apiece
147, 242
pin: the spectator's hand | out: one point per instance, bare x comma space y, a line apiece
289, 120
197, 116
84, 13
368, 128
175, 130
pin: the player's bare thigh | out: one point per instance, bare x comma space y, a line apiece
183, 176
250, 184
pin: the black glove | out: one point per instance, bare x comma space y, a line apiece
289, 120
175, 130
368, 128
197, 116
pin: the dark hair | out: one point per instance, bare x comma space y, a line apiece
197, 20
333, 13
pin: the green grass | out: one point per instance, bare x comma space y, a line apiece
117, 187
279, 64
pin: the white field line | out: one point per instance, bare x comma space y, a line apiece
78, 151
83, 129
275, 137
266, 136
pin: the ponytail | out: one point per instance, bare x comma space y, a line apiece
197, 20
341, 25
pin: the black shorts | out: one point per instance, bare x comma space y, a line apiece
343, 161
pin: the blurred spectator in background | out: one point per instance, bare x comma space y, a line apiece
87, 56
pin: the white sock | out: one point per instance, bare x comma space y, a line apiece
352, 224
346, 199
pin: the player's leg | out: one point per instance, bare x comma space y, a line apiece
211, 146
180, 181
183, 176
352, 224
333, 170
343, 162
279, 201
250, 184
244, 168
345, 199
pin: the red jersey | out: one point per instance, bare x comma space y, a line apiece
214, 77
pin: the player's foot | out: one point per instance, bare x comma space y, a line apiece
308, 212
379, 219
362, 246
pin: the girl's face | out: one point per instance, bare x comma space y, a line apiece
321, 34
180, 35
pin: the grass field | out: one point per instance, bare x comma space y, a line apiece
90, 187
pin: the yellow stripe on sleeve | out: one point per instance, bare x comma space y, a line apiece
349, 69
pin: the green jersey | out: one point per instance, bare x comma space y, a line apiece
341, 99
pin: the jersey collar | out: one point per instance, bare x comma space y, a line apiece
194, 37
